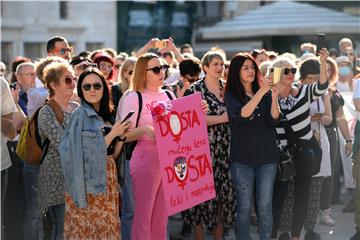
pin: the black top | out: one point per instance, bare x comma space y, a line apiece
111, 147
252, 139
336, 102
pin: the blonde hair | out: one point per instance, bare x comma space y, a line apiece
53, 73
130, 61
40, 66
264, 66
138, 82
283, 61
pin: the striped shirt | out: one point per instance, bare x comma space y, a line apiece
297, 111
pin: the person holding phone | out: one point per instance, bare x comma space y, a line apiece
150, 217
90, 144
296, 112
321, 116
253, 112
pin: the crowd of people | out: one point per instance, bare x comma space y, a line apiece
99, 177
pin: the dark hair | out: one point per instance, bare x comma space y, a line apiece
50, 45
182, 47
256, 52
309, 66
233, 83
105, 110
78, 59
16, 62
85, 54
189, 66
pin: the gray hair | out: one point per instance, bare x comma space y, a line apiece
209, 56
24, 64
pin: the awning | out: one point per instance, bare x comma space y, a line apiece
283, 18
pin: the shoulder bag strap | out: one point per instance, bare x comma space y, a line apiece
57, 109
140, 107
168, 94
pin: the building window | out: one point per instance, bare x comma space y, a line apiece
91, 46
63, 10
34, 50
6, 52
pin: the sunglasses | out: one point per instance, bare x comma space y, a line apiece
64, 50
286, 70
96, 86
68, 81
292, 70
157, 70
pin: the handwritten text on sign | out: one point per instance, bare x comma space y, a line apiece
184, 154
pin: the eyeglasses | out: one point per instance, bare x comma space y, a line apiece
131, 72
68, 81
157, 70
64, 50
118, 66
292, 70
28, 74
96, 86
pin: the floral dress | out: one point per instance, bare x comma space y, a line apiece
219, 139
100, 219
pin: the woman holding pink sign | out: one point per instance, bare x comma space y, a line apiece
150, 216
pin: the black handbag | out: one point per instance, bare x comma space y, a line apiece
285, 166
307, 154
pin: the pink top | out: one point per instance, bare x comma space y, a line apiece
149, 98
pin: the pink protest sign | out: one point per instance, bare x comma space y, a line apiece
184, 153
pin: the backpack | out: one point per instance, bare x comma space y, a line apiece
29, 147
130, 146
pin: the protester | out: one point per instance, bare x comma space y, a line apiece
260, 56
218, 212
59, 47
59, 79
295, 110
90, 144
356, 160
320, 115
330, 192
150, 217
253, 111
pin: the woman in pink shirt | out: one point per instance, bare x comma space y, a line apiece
150, 217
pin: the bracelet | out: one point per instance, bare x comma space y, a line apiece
348, 141
120, 139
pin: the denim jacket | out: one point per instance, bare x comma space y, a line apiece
83, 155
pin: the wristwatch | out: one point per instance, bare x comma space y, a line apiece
348, 141
120, 139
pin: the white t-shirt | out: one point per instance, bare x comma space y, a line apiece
356, 95
7, 107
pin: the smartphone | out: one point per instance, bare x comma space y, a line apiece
128, 116
276, 73
13, 85
320, 41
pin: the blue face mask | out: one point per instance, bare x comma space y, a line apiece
344, 71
